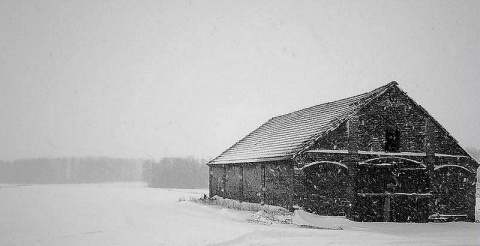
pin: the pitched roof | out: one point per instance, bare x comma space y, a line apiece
283, 136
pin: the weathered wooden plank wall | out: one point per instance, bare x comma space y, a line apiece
252, 183
234, 184
279, 184
268, 182
216, 187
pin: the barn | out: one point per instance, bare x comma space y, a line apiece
377, 156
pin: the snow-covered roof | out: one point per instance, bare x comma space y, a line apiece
284, 136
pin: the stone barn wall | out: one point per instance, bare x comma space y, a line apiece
395, 110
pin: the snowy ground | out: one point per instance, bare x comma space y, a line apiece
131, 214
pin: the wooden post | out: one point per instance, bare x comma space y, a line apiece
242, 196
352, 164
210, 185
224, 181
291, 190
262, 196
387, 209
471, 198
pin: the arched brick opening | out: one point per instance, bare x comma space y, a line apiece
392, 189
325, 188
453, 186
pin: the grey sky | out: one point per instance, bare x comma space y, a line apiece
175, 78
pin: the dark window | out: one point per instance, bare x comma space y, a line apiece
392, 140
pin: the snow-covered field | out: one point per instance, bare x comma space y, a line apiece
131, 214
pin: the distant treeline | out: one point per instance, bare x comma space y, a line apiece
171, 172
70, 170
174, 172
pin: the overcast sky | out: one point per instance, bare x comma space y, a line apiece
174, 78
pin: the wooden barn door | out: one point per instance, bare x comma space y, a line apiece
325, 189
410, 199
452, 189
392, 189
253, 183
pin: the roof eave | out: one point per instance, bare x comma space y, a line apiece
251, 160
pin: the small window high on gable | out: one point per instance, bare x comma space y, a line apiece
392, 140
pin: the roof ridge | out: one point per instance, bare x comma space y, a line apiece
391, 84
